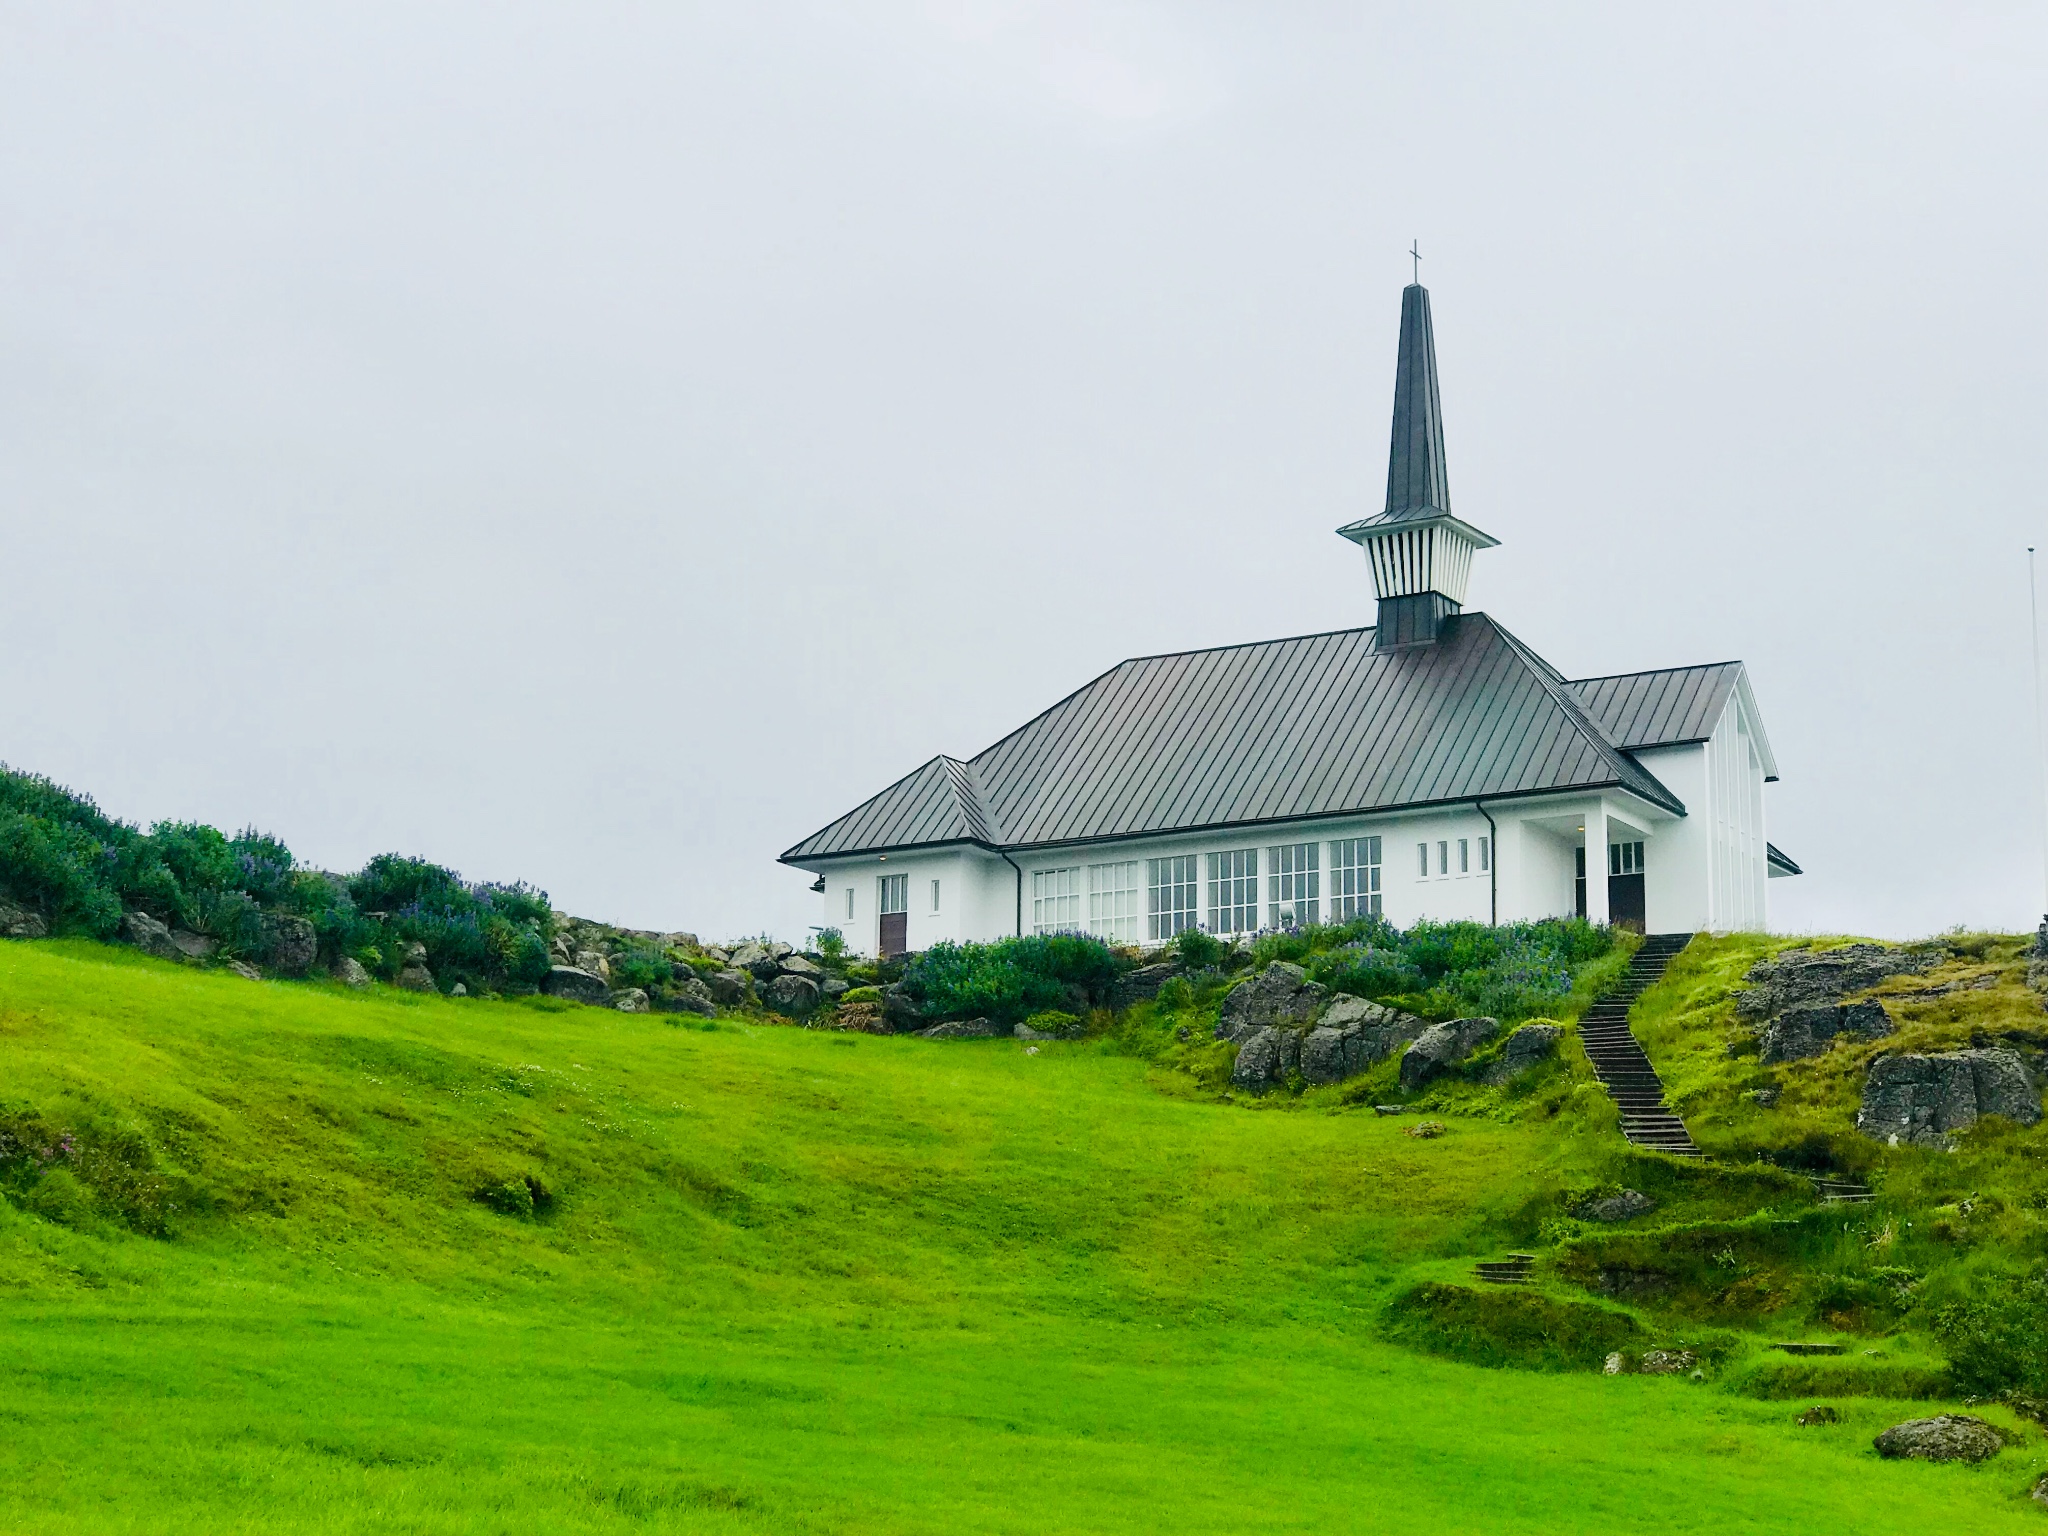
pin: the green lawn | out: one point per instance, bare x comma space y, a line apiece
793, 1281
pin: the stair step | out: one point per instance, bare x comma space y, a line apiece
1621, 1064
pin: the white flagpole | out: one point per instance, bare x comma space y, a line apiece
2040, 730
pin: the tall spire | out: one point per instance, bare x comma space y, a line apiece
1421, 556
1416, 481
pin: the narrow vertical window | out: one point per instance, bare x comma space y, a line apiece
1294, 885
1422, 858
849, 903
1169, 897
1234, 891
1354, 878
935, 895
1113, 901
1443, 858
1485, 854
1464, 856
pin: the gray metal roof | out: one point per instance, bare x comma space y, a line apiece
1318, 725
1417, 481
1780, 862
1660, 709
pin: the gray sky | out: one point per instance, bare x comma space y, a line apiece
600, 443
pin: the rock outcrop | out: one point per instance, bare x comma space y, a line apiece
1140, 985
1946, 1437
149, 935
19, 922
414, 975
791, 995
290, 943
1923, 1100
575, 985
1352, 1035
1798, 1033
1441, 1047
350, 973
1527, 1048
690, 995
1805, 978
963, 1029
1625, 1206
1280, 996
629, 1000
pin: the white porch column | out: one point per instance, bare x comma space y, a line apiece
1596, 862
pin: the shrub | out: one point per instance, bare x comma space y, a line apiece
1009, 979
1198, 951
1997, 1339
861, 995
1054, 1022
832, 945
645, 968
522, 1196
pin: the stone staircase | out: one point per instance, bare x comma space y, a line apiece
1618, 1061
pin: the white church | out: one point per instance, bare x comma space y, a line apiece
1431, 766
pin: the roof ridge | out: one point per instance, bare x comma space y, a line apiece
1690, 666
1559, 687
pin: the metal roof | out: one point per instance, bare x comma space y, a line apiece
1660, 709
1779, 862
1317, 725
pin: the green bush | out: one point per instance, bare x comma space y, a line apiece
522, 1195
1009, 979
1198, 951
646, 968
861, 995
1053, 1022
1997, 1339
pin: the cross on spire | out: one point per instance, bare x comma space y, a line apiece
1415, 250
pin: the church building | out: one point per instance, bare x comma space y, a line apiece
1431, 766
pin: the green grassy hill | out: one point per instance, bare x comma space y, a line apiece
282, 1257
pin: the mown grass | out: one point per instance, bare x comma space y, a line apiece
793, 1281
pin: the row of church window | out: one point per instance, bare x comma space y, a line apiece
1132, 901
1448, 850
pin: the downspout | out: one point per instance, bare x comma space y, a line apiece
1492, 860
1020, 890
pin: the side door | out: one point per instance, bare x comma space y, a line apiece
895, 910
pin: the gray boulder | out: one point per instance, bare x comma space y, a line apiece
1442, 1046
1921, 1100
629, 1000
1141, 985
687, 996
718, 953
246, 971
193, 946
684, 941
779, 950
19, 922
1798, 1033
1281, 994
835, 986
1528, 1047
797, 965
290, 942
792, 996
1626, 1206
963, 1029
1265, 1057
1351, 1035
596, 963
747, 956
1945, 1437
899, 1012
350, 973
415, 977
575, 984
728, 988
1802, 978
149, 935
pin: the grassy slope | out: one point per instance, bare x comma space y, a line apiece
797, 1281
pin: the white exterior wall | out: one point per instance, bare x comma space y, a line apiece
1733, 811
1534, 862
1677, 865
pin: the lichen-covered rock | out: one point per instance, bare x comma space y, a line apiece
728, 987
1667, 1362
350, 973
963, 1029
792, 996
1442, 1046
416, 978
629, 1000
1798, 1033
899, 1010
1802, 978
1281, 994
193, 946
149, 935
1527, 1048
1945, 1437
19, 922
575, 984
290, 943
1922, 1100
596, 962
1265, 1057
1625, 1206
797, 965
686, 996
1141, 985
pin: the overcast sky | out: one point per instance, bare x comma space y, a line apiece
600, 443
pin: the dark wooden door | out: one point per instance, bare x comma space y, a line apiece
1625, 906
895, 934
1579, 886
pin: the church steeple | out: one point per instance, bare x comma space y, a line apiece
1421, 555
1416, 481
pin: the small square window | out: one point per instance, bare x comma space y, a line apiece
1464, 856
